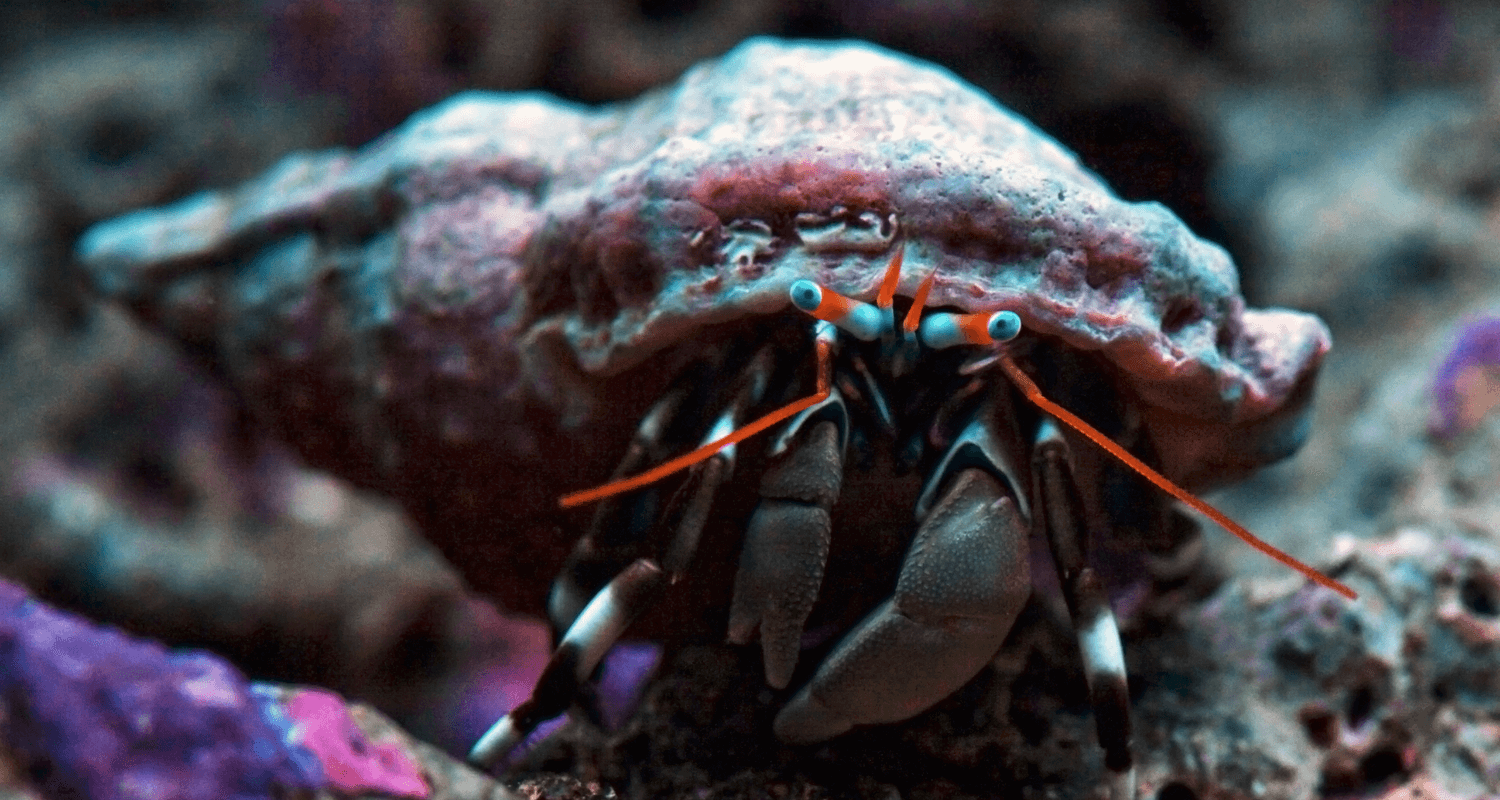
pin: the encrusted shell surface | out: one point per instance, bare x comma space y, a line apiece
490, 271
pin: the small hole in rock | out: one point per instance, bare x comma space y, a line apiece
1189, 20
1481, 190
114, 140
1361, 704
1418, 261
1382, 765
1322, 725
1479, 595
1176, 791
1180, 314
669, 10
1378, 490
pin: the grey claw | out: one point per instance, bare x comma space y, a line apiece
786, 546
965, 579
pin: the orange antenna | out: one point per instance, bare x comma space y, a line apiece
1029, 388
887, 294
914, 314
707, 451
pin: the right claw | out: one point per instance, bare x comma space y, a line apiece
965, 580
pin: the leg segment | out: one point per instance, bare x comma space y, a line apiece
786, 544
964, 581
597, 628
1060, 513
592, 629
621, 525
612, 537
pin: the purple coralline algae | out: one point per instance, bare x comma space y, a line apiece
97, 713
1467, 386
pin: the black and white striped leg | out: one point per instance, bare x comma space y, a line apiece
613, 538
595, 628
621, 530
1060, 513
787, 540
590, 636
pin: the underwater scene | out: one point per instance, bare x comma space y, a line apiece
750, 399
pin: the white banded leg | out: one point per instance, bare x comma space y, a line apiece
612, 542
584, 645
603, 547
600, 623
1060, 513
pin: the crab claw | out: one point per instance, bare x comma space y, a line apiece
965, 579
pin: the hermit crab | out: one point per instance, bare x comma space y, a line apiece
818, 312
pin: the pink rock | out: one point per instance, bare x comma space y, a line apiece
351, 762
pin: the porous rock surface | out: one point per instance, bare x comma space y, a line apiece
1394, 690
490, 295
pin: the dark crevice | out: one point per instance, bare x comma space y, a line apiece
1479, 595
669, 10
1176, 791
1361, 705
117, 139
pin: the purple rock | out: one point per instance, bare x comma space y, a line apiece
104, 715
1467, 386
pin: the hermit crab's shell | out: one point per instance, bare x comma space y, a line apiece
603, 236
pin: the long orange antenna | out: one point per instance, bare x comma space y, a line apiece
707, 451
1029, 388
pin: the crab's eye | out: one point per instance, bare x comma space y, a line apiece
943, 329
860, 320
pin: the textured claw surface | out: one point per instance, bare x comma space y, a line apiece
964, 581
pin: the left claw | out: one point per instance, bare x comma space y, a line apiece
965, 579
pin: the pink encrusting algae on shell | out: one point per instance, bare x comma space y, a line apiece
494, 235
482, 310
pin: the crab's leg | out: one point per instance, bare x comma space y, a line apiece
604, 619
964, 581
1060, 515
612, 539
1029, 388
786, 543
590, 636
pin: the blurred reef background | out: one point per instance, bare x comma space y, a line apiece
1346, 152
